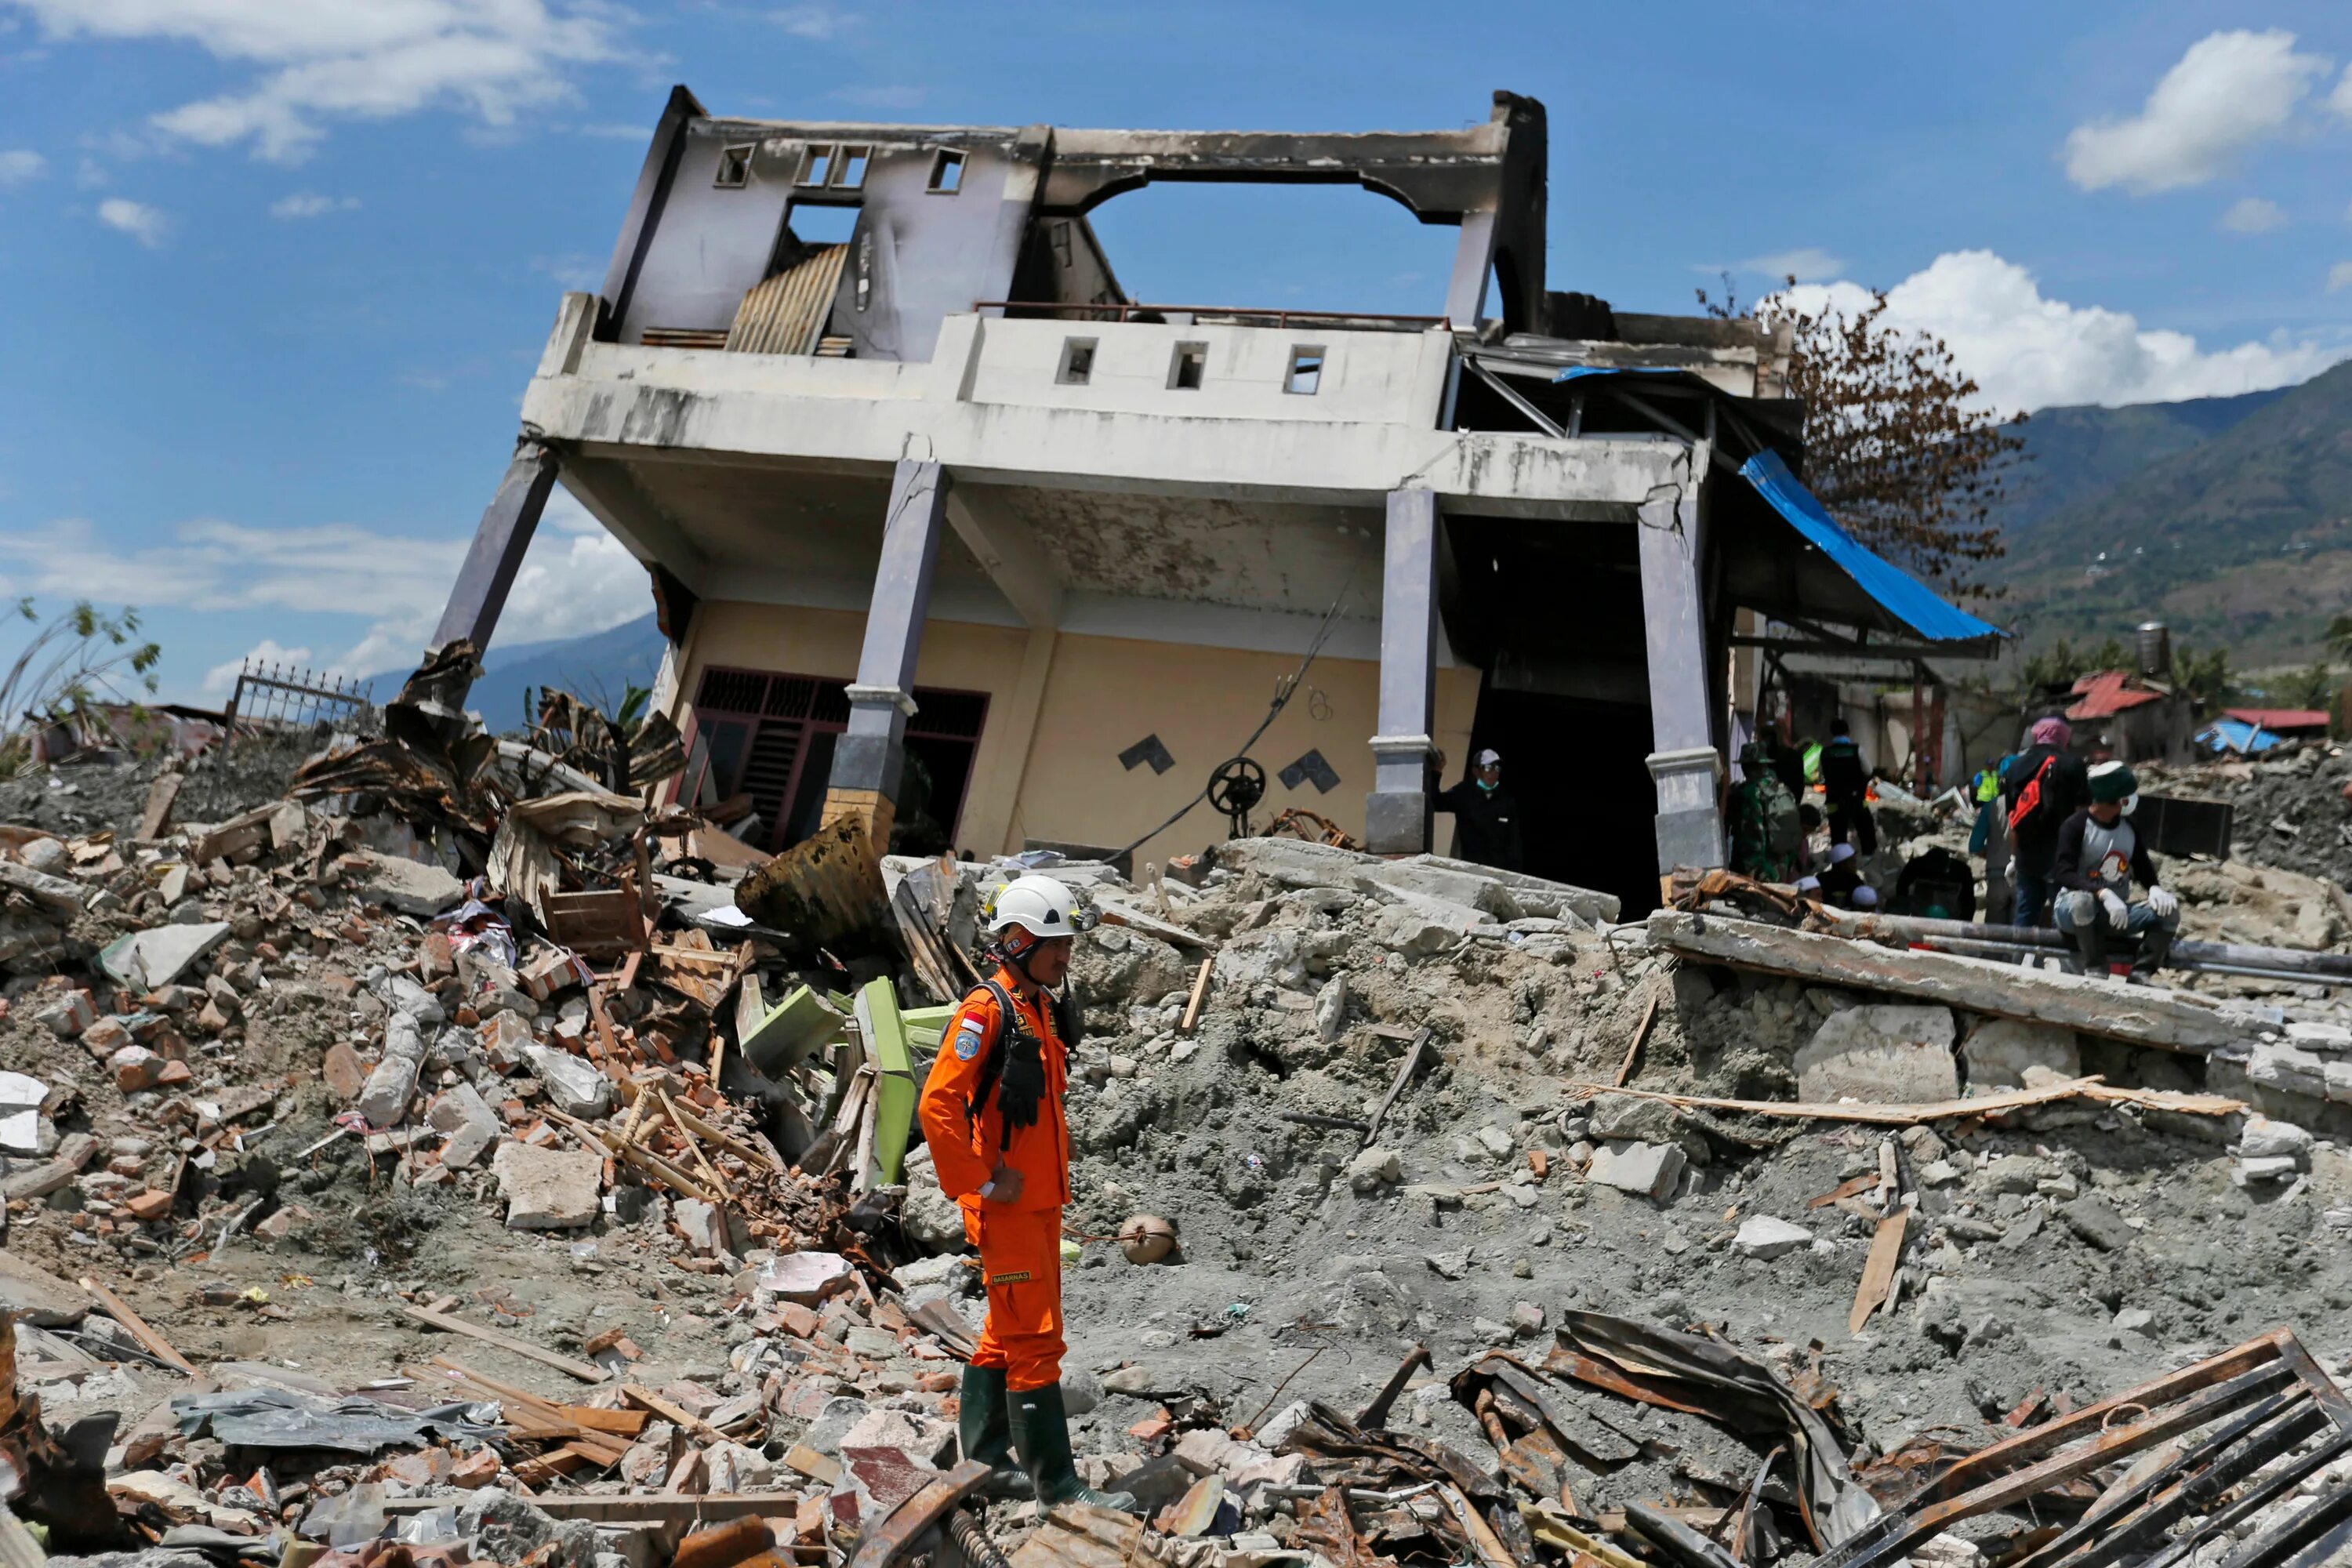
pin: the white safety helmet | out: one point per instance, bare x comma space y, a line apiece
1039, 905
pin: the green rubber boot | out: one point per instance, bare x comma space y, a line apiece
1041, 1434
984, 1429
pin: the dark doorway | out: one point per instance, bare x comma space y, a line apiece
1586, 804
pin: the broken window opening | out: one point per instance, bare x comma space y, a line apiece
734, 169
947, 172
849, 174
1077, 362
1189, 368
821, 223
1060, 235
1305, 374
816, 164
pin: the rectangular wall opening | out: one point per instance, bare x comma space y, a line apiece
947, 172
1077, 362
1189, 368
1305, 374
772, 737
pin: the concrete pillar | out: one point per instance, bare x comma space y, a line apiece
1684, 765
1396, 814
499, 543
866, 760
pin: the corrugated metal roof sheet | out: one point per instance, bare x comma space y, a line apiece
2282, 718
786, 314
2109, 693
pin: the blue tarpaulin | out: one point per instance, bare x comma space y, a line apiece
2237, 735
1902, 596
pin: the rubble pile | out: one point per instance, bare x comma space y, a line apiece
460, 1161
2290, 809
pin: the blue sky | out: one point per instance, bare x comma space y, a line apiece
278, 269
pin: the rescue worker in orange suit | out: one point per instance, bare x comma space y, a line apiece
992, 1112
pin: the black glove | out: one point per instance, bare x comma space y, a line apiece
1024, 1085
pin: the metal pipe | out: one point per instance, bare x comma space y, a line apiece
2019, 950
1905, 927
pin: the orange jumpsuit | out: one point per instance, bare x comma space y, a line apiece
1019, 1242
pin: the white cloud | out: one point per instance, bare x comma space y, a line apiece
352, 59
2028, 351
815, 23
2339, 277
1806, 264
19, 165
220, 679
580, 273
2229, 91
2253, 214
577, 579
137, 219
2340, 100
311, 203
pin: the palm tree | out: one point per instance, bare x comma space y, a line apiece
2339, 640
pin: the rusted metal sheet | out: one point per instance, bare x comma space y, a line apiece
2260, 1400
785, 314
825, 891
893, 1540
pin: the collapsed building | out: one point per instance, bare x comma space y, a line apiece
915, 478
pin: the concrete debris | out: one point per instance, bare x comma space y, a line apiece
1884, 1054
331, 1100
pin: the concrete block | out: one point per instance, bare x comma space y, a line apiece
2263, 1138
383, 1100
806, 1278
1763, 1236
573, 1084
2288, 1067
399, 883
1887, 1055
151, 960
1648, 1169
1998, 1050
1331, 1010
67, 1015
833, 1423
920, 1437
474, 1129
547, 1189
2317, 1036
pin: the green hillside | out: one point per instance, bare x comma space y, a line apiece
2231, 518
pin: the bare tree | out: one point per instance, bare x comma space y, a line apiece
1899, 445
79, 655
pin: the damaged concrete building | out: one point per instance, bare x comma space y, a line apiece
916, 478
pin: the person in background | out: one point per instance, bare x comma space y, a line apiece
1845, 781
1987, 790
1840, 880
2099, 857
2046, 785
1767, 836
1486, 814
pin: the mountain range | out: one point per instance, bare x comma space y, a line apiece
2230, 518
599, 667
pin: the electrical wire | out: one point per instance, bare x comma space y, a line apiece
1283, 693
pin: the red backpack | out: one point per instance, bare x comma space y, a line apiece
2028, 799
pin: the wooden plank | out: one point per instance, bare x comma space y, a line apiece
524, 1348
1115, 912
1878, 1269
645, 1399
1404, 1076
2091, 1088
2141, 1014
161, 797
613, 1510
895, 1088
157, 1344
1184, 1025
1641, 1030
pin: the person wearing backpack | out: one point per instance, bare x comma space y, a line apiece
991, 1114
2045, 784
1768, 834
1845, 782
